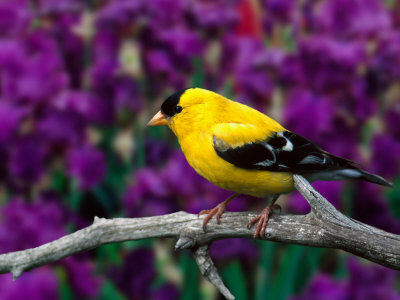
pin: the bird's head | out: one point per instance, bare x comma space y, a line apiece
189, 109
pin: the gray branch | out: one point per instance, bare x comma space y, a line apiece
324, 226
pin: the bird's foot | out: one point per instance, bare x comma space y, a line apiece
262, 220
216, 211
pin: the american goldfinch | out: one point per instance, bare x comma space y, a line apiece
240, 149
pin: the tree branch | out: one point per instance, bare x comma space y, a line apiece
324, 226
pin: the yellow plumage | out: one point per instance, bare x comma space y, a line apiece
206, 114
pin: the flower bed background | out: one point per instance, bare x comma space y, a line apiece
80, 79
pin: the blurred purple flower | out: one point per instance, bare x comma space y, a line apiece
320, 110
372, 208
385, 160
40, 73
118, 16
325, 126
357, 18
80, 277
175, 187
392, 118
183, 43
135, 276
323, 287
213, 16
30, 224
27, 159
170, 15
370, 281
331, 190
386, 60
55, 7
36, 285
328, 64
10, 118
225, 250
255, 70
156, 152
148, 196
15, 18
87, 165
167, 291
279, 10
61, 129
81, 103
127, 94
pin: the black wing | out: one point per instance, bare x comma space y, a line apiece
285, 151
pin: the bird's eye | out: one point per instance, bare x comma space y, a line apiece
178, 109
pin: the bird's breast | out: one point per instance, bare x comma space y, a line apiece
201, 155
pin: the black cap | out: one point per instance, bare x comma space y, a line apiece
169, 107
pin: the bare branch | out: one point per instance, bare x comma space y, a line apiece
209, 271
324, 226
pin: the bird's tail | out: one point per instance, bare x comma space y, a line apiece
351, 172
374, 178
350, 169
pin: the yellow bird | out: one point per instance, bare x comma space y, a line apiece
240, 149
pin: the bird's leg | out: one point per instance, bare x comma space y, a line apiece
263, 218
216, 211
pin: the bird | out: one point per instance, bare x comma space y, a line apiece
244, 151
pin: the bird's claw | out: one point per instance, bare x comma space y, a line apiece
262, 220
216, 211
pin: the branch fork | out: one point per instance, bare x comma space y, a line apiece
324, 226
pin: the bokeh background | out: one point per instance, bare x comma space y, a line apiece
80, 79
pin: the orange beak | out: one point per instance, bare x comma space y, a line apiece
158, 119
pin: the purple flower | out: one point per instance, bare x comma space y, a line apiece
213, 16
331, 190
80, 277
182, 43
27, 159
372, 208
80, 103
328, 64
159, 63
357, 18
323, 287
254, 70
87, 165
60, 7
30, 225
320, 110
385, 159
127, 94
229, 249
60, 129
175, 187
392, 118
171, 14
167, 291
10, 118
15, 18
156, 152
279, 10
370, 281
119, 15
325, 127
36, 285
135, 276
148, 196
